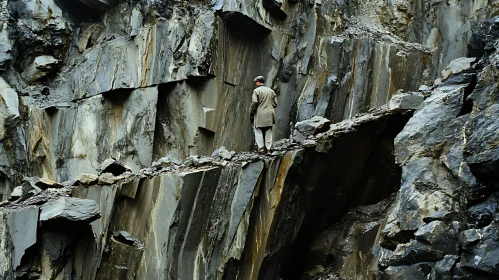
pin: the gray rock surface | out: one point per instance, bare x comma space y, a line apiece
169, 81
410, 100
312, 126
23, 228
70, 209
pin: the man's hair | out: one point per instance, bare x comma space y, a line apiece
260, 79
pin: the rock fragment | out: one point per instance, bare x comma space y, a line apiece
410, 100
468, 237
106, 179
70, 209
87, 179
45, 183
310, 127
41, 67
458, 65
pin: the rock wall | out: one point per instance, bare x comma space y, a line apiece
334, 59
157, 86
207, 218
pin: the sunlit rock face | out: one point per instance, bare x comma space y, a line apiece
405, 170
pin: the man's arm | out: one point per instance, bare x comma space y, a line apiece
274, 99
254, 104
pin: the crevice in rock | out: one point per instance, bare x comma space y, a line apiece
467, 102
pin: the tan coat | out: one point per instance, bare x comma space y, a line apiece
263, 101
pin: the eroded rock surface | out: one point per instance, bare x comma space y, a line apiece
135, 95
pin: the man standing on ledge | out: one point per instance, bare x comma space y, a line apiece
263, 102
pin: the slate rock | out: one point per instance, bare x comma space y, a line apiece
106, 179
23, 227
16, 193
86, 179
45, 183
483, 256
458, 65
419, 271
440, 236
443, 268
481, 150
312, 126
70, 209
468, 237
55, 244
407, 101
40, 67
484, 38
483, 214
415, 252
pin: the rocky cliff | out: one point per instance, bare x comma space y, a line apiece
111, 111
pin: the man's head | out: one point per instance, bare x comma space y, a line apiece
260, 80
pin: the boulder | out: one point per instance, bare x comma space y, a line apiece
16, 193
106, 179
420, 271
41, 67
225, 154
483, 214
483, 256
458, 65
87, 179
310, 127
70, 209
440, 236
443, 269
44, 183
481, 150
410, 100
468, 237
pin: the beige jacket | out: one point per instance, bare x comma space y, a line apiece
263, 102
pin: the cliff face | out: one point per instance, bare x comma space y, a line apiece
404, 190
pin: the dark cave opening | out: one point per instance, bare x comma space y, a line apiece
467, 102
374, 178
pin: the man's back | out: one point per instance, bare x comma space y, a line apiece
266, 99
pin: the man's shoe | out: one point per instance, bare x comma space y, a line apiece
261, 151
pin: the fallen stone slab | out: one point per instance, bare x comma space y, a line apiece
44, 183
70, 209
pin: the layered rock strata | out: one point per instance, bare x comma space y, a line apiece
207, 217
73, 61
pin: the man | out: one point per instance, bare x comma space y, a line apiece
263, 102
